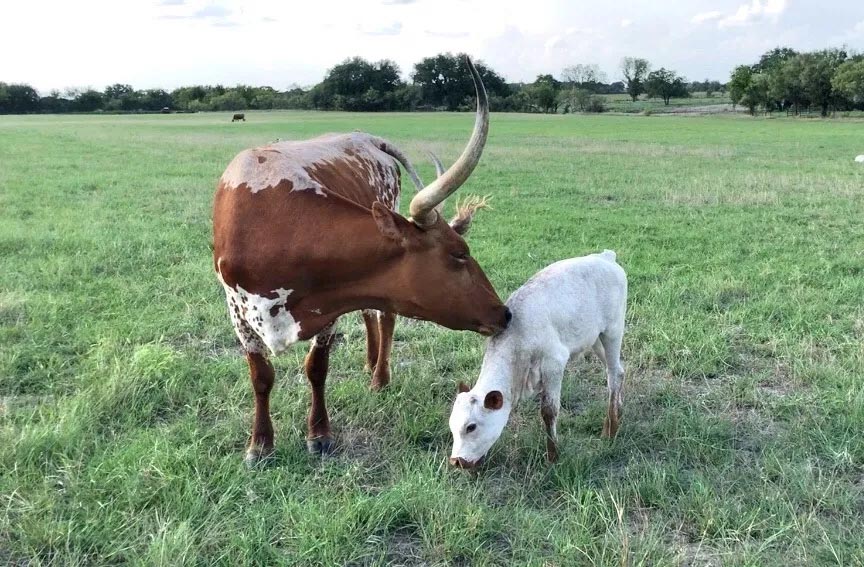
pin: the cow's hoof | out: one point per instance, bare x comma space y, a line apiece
256, 455
320, 445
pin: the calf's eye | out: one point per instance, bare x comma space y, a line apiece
471, 427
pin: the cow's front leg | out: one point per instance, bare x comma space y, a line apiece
318, 439
261, 441
381, 373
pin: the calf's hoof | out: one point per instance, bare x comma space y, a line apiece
320, 445
551, 454
257, 455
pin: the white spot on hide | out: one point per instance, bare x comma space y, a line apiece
267, 166
254, 323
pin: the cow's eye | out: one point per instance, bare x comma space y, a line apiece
460, 256
471, 427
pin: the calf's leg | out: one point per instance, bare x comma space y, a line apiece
552, 372
614, 382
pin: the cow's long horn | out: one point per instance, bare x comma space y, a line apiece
439, 167
423, 204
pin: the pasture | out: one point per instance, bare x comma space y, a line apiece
125, 403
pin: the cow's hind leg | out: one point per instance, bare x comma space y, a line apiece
318, 438
381, 373
614, 381
261, 441
261, 375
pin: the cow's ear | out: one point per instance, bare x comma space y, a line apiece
494, 400
390, 224
465, 211
463, 387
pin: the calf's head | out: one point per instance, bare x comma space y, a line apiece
476, 422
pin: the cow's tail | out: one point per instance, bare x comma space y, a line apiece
397, 154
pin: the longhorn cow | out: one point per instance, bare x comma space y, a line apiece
304, 232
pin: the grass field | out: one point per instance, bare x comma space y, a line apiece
125, 404
696, 103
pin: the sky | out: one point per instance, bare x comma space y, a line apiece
283, 43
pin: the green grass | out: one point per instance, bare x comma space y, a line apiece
125, 404
696, 102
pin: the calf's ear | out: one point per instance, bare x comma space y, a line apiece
463, 387
494, 400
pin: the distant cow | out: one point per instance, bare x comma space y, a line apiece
860, 159
238, 116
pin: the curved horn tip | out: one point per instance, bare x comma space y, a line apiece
434, 194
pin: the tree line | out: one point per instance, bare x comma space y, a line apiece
783, 79
786, 80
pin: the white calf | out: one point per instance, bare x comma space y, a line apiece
859, 159
560, 312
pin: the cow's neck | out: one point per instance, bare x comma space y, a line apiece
365, 278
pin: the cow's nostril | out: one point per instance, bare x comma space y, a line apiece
508, 315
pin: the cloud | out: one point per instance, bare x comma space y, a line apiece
626, 23
392, 29
212, 11
755, 10
706, 16
399, 2
172, 2
446, 34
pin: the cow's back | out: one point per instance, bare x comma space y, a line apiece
277, 208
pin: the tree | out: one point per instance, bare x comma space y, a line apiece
666, 84
635, 71
230, 100
544, 94
587, 77
357, 84
18, 99
155, 99
121, 97
757, 93
786, 89
848, 81
87, 100
817, 71
773, 59
739, 82
445, 81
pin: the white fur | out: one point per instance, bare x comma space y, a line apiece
562, 311
253, 322
292, 161
859, 159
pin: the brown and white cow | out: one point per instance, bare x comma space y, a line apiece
304, 232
